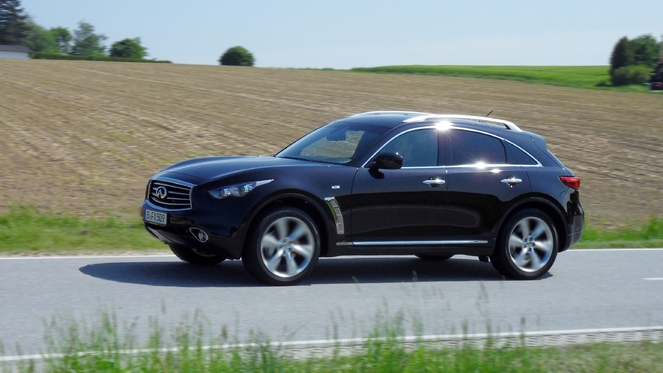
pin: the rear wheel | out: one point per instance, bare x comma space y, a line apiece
527, 246
283, 247
192, 256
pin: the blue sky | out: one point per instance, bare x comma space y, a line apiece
346, 33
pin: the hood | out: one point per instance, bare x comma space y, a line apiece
200, 170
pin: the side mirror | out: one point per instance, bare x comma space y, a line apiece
387, 161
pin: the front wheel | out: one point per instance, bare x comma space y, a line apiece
192, 256
283, 247
527, 246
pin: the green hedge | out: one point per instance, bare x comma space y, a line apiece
56, 56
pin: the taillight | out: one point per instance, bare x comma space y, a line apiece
571, 181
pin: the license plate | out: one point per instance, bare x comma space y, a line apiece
156, 217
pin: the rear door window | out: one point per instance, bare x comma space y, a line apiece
472, 148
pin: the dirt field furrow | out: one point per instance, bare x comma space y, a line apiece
83, 137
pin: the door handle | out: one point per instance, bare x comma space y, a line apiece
511, 181
433, 182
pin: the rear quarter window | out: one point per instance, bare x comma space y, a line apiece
520, 157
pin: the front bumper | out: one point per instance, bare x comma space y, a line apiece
180, 229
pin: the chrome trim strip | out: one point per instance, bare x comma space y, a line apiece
538, 164
336, 213
418, 243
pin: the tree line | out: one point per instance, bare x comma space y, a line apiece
633, 60
18, 28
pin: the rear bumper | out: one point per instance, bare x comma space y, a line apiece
576, 227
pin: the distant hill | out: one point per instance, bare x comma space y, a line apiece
565, 76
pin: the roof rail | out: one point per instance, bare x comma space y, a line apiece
509, 125
379, 112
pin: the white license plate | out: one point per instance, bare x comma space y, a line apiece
156, 217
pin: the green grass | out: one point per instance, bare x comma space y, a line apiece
107, 345
642, 234
567, 76
26, 231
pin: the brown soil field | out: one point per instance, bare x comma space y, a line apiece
79, 137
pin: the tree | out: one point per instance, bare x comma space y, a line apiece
39, 39
62, 39
622, 55
237, 56
632, 60
646, 50
86, 42
13, 26
128, 48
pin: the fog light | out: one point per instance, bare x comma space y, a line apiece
199, 234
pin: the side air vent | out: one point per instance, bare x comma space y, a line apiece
169, 194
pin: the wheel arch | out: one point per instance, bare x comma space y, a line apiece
310, 204
548, 207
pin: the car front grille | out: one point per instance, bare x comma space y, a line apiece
169, 194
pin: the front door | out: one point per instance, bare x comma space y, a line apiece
403, 206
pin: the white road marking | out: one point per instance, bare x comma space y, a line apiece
87, 257
654, 279
312, 344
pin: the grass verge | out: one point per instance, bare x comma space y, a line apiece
26, 231
110, 346
595, 77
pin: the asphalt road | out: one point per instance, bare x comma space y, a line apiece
344, 298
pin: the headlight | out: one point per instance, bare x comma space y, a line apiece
237, 190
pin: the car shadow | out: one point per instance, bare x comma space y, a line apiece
328, 271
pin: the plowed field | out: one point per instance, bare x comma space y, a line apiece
82, 137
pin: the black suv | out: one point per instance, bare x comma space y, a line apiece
656, 81
377, 183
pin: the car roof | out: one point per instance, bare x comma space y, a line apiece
392, 119
389, 119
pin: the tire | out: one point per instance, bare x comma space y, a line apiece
527, 246
283, 247
192, 256
433, 257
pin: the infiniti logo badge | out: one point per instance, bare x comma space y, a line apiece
161, 192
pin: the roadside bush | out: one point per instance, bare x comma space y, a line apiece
640, 74
630, 75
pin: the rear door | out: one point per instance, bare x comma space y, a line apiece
482, 184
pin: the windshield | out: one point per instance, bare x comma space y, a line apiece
338, 142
